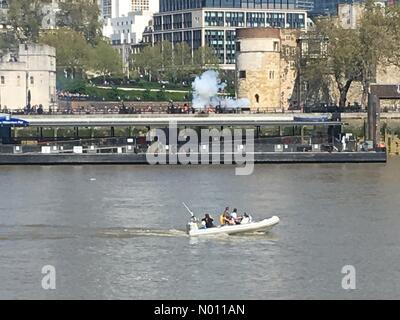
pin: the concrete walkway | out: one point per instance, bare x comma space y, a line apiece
142, 89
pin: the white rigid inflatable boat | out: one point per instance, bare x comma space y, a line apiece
261, 226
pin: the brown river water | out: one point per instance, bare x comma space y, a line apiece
118, 232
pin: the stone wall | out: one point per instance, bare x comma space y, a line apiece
265, 67
34, 71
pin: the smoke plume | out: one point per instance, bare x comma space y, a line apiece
205, 93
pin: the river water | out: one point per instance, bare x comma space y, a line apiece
117, 232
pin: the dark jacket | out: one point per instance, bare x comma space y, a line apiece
209, 222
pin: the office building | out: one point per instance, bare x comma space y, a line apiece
307, 5
127, 24
330, 7
214, 23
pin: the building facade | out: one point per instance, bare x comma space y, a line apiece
328, 7
214, 23
145, 5
30, 73
348, 17
265, 67
115, 8
125, 31
3, 11
49, 11
118, 8
307, 5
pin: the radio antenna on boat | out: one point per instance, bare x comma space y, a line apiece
187, 208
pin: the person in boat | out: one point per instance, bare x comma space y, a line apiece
246, 219
208, 221
224, 218
235, 217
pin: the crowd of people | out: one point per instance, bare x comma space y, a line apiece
135, 110
35, 109
177, 109
68, 96
28, 110
227, 218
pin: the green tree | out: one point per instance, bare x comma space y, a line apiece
175, 63
356, 54
73, 51
25, 18
81, 16
205, 58
182, 63
105, 59
393, 23
342, 59
148, 62
317, 77
8, 41
167, 59
378, 32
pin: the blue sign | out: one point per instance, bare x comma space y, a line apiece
312, 119
7, 120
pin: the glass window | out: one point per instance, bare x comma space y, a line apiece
215, 40
255, 19
187, 38
272, 75
157, 23
230, 46
167, 22
197, 39
178, 21
177, 37
176, 5
187, 20
234, 19
215, 19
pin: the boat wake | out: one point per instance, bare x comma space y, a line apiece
52, 232
137, 232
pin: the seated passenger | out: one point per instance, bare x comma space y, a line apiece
224, 217
228, 219
234, 215
246, 219
208, 221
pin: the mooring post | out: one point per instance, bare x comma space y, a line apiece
374, 128
377, 121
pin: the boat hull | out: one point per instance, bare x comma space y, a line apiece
261, 226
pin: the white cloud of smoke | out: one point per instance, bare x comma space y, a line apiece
205, 93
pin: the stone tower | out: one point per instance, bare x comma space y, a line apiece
265, 67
